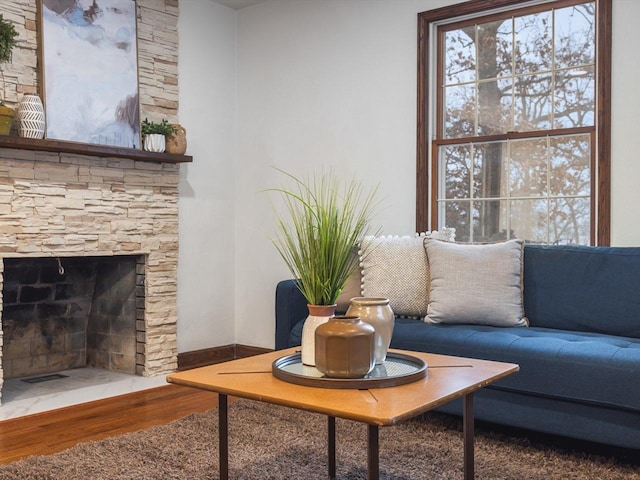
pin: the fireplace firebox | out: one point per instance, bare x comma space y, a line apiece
64, 313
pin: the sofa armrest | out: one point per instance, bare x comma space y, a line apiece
291, 307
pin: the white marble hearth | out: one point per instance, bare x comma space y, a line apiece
80, 386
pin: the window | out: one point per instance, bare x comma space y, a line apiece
519, 135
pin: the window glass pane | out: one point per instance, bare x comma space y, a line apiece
460, 111
533, 46
570, 221
555, 169
574, 98
526, 74
528, 168
495, 49
489, 169
570, 165
494, 107
528, 219
489, 221
532, 103
460, 56
456, 214
456, 160
574, 34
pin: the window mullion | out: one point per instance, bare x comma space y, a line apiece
548, 189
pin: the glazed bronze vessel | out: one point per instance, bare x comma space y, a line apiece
345, 347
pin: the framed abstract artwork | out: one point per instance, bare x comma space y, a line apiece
90, 71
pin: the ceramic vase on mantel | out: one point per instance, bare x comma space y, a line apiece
177, 142
155, 142
30, 116
6, 119
318, 314
377, 312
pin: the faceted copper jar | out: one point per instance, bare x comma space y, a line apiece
345, 347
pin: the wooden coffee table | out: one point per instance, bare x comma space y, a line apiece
448, 378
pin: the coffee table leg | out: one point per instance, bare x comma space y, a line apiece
373, 453
331, 442
223, 436
468, 427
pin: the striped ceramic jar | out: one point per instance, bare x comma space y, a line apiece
30, 116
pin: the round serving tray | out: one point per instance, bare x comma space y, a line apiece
397, 369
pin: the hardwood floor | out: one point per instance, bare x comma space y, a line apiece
50, 432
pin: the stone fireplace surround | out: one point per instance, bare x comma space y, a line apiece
76, 204
68, 205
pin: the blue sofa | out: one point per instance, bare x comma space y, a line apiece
579, 358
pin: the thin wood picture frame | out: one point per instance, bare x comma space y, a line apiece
89, 71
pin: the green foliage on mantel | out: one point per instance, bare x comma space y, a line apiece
8, 40
162, 128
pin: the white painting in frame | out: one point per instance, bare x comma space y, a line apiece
90, 71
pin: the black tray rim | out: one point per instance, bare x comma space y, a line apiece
353, 383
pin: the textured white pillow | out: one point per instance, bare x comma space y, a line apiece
396, 268
476, 284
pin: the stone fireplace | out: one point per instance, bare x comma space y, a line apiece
92, 214
98, 204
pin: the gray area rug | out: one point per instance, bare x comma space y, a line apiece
270, 442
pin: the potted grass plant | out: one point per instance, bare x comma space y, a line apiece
324, 221
8, 41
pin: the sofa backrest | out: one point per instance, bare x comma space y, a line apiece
594, 289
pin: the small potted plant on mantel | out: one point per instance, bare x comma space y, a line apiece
154, 135
8, 41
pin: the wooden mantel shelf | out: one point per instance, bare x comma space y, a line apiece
59, 146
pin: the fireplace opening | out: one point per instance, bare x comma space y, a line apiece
73, 312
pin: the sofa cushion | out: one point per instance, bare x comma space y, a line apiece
395, 267
479, 284
586, 367
589, 289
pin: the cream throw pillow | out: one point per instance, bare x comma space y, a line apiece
475, 284
395, 267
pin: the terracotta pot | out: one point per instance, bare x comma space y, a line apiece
344, 347
177, 142
6, 119
377, 312
318, 314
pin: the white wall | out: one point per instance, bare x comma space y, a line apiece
625, 110
207, 69
320, 83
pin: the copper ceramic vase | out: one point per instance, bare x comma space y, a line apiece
344, 348
378, 313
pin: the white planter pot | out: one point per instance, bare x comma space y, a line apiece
155, 142
318, 314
